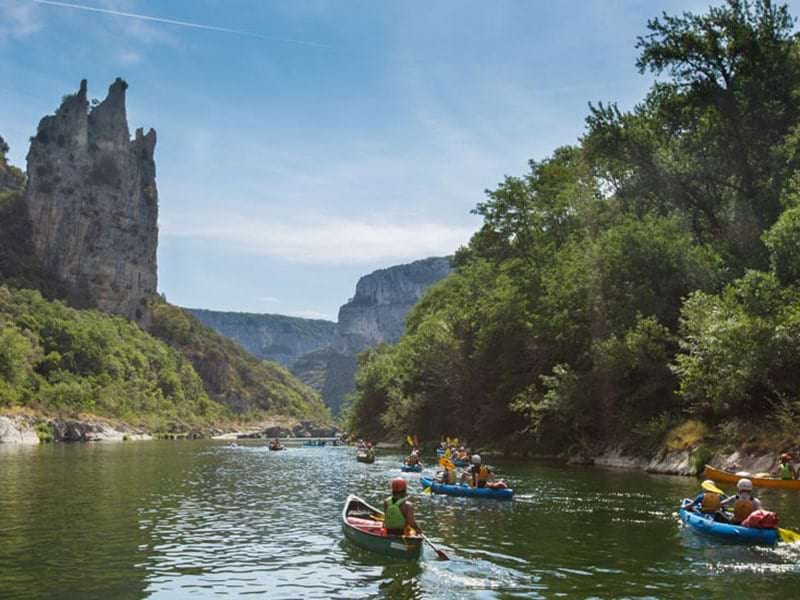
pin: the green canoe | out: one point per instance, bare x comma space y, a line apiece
362, 524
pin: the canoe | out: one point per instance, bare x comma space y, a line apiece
706, 525
415, 469
465, 490
277, 449
366, 532
440, 451
365, 458
460, 463
760, 482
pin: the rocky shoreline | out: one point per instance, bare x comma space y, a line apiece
681, 462
31, 430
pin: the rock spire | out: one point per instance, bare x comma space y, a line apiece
93, 203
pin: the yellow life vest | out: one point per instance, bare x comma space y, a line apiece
742, 509
450, 476
483, 474
711, 502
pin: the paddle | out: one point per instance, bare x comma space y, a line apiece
439, 553
788, 536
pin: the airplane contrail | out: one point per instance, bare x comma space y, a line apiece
118, 13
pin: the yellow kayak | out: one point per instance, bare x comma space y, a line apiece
759, 482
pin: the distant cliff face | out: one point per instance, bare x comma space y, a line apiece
377, 312
270, 337
93, 204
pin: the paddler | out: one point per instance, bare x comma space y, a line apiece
399, 511
709, 501
478, 474
413, 459
743, 502
786, 470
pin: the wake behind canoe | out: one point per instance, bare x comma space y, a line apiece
362, 525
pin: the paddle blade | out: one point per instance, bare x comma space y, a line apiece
442, 555
427, 491
410, 441
709, 486
788, 536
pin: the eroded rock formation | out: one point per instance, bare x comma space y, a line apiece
93, 204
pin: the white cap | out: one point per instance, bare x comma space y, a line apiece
476, 459
744, 485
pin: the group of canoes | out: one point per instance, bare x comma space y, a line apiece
739, 517
394, 531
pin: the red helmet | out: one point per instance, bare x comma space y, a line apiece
398, 485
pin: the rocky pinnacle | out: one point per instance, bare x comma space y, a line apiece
93, 203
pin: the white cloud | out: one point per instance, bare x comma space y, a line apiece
329, 242
18, 19
268, 299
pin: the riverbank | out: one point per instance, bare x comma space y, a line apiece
29, 428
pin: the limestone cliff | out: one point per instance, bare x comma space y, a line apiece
93, 205
375, 315
377, 312
270, 337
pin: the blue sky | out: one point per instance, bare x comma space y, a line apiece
304, 143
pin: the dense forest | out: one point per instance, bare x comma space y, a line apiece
641, 287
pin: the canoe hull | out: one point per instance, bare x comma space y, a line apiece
371, 535
705, 525
363, 458
727, 477
466, 491
414, 469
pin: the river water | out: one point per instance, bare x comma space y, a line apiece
200, 520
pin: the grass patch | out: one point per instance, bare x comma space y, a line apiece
686, 435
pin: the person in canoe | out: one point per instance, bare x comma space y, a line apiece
479, 475
743, 502
709, 501
412, 459
399, 511
785, 468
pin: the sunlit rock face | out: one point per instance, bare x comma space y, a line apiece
93, 203
377, 313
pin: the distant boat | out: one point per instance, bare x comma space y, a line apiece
366, 457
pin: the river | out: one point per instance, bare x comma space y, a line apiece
196, 519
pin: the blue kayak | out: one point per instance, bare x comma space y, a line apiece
440, 451
465, 490
415, 469
706, 525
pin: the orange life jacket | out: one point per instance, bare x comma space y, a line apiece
742, 509
711, 503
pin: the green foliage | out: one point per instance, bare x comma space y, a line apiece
783, 241
55, 358
45, 433
741, 349
622, 283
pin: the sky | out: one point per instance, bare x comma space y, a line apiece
305, 143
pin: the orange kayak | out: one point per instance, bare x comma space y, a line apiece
760, 482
